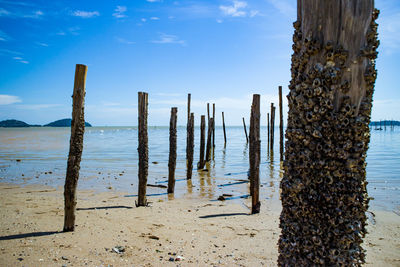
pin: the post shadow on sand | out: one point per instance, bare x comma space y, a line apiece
223, 215
33, 234
106, 208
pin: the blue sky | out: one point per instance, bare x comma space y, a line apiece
220, 51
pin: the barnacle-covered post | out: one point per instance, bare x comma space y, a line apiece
209, 136
254, 155
75, 147
323, 190
213, 133
172, 150
187, 126
143, 150
272, 126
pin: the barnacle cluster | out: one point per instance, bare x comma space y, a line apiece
323, 191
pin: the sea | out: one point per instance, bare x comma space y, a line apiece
110, 163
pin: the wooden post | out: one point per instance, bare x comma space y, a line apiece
75, 147
187, 125
208, 112
268, 130
172, 150
272, 126
213, 133
201, 163
280, 124
324, 192
143, 149
245, 130
209, 136
254, 155
191, 147
223, 127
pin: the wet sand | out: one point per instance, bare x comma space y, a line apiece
203, 233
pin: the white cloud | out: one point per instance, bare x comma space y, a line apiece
4, 12
42, 44
254, 13
9, 99
70, 30
153, 1
389, 33
4, 37
219, 20
124, 41
37, 106
154, 18
34, 15
169, 39
143, 20
234, 10
21, 60
4, 51
120, 12
285, 7
85, 14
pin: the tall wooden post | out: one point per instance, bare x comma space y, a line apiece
208, 112
272, 127
323, 189
201, 163
209, 136
143, 149
268, 130
213, 133
187, 125
223, 126
191, 147
172, 150
75, 147
245, 130
280, 124
254, 155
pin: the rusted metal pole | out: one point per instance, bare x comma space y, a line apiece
172, 150
280, 124
201, 163
143, 149
245, 130
209, 136
75, 147
223, 126
254, 155
191, 147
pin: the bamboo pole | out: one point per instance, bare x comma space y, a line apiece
75, 147
280, 124
172, 150
254, 155
209, 136
201, 163
245, 130
191, 147
223, 126
143, 149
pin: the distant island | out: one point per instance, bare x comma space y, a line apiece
385, 122
58, 123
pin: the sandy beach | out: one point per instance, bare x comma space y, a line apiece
178, 232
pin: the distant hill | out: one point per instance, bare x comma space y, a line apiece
388, 123
13, 123
63, 123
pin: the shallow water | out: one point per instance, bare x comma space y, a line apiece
109, 162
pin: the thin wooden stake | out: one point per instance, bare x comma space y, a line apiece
213, 132
254, 155
187, 125
245, 130
143, 149
272, 126
75, 147
209, 135
223, 126
208, 112
268, 131
280, 124
172, 150
201, 163
191, 147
